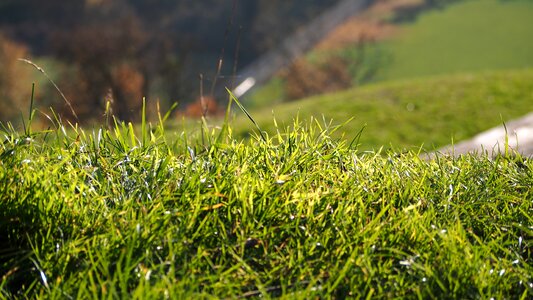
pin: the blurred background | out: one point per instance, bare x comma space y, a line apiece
177, 51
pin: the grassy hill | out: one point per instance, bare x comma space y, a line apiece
468, 36
411, 113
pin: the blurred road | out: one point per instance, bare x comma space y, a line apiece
519, 134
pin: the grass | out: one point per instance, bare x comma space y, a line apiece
476, 35
468, 36
427, 112
109, 213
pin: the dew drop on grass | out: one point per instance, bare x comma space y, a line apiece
43, 277
405, 262
424, 279
147, 275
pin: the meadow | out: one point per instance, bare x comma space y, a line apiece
467, 36
117, 213
464, 37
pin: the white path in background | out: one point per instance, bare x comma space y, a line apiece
519, 135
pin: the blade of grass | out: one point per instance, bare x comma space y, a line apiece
247, 114
53, 83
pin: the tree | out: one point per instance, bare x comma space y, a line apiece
14, 93
105, 56
159, 46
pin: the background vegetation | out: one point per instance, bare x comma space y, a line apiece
466, 36
130, 49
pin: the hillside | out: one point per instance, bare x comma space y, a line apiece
467, 36
432, 112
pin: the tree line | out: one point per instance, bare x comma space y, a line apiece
124, 50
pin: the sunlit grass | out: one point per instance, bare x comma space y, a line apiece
113, 214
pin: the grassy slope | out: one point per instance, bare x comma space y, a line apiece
468, 36
411, 113
105, 216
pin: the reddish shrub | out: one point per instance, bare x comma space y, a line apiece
198, 108
306, 79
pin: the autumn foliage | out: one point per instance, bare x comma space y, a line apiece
15, 84
305, 78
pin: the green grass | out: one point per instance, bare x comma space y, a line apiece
108, 214
429, 112
468, 36
476, 35
271, 93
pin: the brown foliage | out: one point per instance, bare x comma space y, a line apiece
127, 84
199, 108
305, 79
15, 84
105, 57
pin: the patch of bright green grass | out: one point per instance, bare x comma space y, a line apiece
466, 36
111, 214
409, 114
